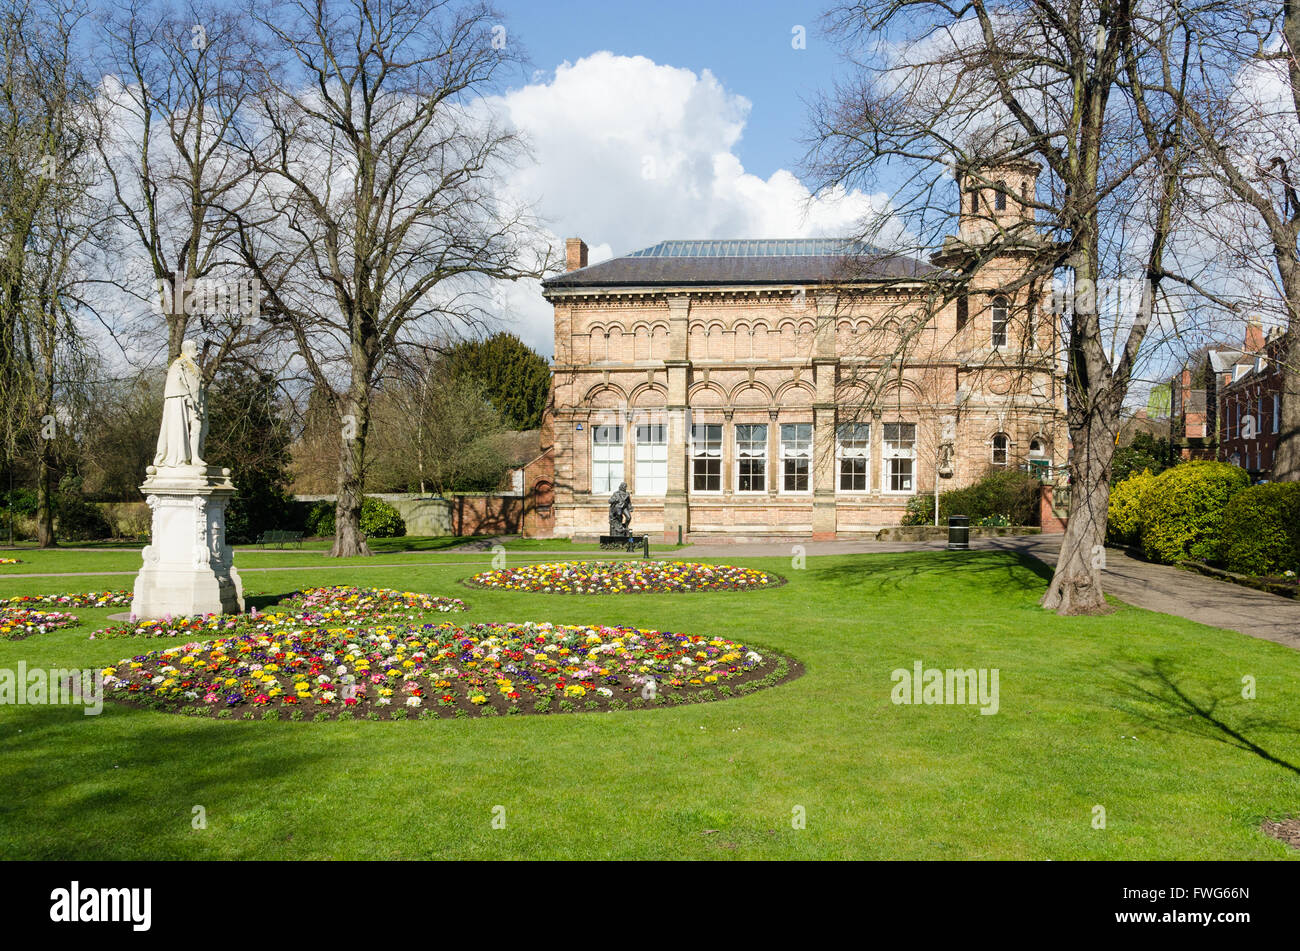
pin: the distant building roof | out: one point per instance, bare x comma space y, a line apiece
746, 261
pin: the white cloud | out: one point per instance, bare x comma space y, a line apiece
629, 152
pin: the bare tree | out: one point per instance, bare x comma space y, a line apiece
1244, 113
383, 183
972, 90
51, 223
179, 79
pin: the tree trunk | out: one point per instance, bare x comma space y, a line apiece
348, 540
1286, 458
1076, 584
44, 498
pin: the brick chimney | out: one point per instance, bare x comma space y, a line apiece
1254, 336
575, 254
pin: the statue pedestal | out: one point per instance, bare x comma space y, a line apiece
188, 568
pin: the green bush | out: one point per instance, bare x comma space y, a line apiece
1124, 512
1261, 530
77, 520
1183, 510
380, 520
1001, 497
320, 519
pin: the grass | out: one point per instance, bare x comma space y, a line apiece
1138, 712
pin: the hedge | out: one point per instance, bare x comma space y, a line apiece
1260, 534
1002, 496
379, 519
1124, 511
1182, 511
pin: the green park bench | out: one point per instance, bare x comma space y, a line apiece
279, 538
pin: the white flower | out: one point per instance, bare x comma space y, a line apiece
340, 670
412, 701
604, 691
328, 695
327, 657
755, 656
384, 701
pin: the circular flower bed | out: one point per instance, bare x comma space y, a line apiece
90, 599
17, 623
440, 670
312, 607
347, 602
625, 577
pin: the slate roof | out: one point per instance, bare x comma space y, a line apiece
745, 261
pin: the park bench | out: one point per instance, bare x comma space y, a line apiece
279, 538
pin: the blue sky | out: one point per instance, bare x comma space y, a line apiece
746, 45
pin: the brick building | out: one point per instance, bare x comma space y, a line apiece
1250, 402
800, 387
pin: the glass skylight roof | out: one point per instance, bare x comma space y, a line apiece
756, 248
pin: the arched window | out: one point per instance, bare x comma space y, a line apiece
1000, 446
1037, 448
999, 322
1000, 196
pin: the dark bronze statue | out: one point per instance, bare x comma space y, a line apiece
620, 512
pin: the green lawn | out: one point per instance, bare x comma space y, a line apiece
1138, 712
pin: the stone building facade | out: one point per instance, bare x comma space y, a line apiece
811, 387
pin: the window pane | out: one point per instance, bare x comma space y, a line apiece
794, 475
900, 475
752, 475
606, 458
706, 457
651, 459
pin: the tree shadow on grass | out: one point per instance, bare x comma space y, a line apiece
1152, 693
99, 785
264, 601
1000, 571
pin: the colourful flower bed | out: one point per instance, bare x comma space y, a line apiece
90, 599
345, 602
313, 607
10, 561
17, 623
625, 577
439, 670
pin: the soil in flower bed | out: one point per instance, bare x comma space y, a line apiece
1285, 830
625, 577
441, 670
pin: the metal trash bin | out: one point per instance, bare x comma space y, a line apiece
958, 533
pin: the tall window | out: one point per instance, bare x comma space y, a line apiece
974, 201
706, 457
651, 459
751, 457
853, 450
999, 322
900, 457
1000, 444
796, 456
606, 458
963, 311
1277, 406
1000, 199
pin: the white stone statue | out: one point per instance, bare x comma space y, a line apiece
188, 567
185, 412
